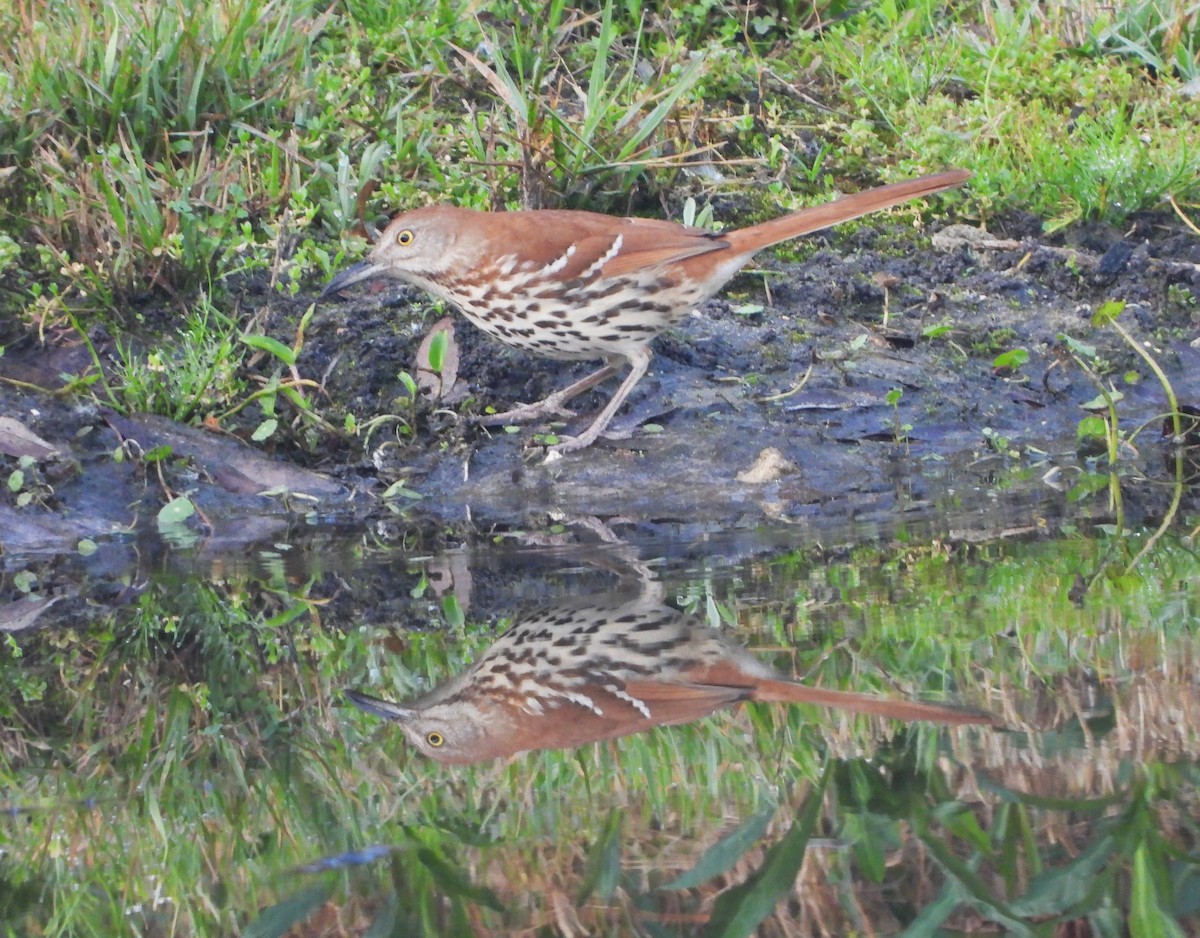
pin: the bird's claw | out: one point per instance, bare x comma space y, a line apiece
525, 413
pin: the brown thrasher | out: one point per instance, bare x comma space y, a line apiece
579, 285
602, 667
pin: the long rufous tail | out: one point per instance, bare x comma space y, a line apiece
756, 237
792, 692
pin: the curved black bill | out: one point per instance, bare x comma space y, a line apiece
375, 706
363, 270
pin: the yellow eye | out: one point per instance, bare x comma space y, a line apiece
404, 239
435, 739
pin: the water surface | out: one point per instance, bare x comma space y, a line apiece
179, 757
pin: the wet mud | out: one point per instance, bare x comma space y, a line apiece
856, 381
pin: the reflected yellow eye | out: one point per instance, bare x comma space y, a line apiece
404, 239
435, 739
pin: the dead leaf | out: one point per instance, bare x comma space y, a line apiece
769, 466
451, 573
23, 613
18, 440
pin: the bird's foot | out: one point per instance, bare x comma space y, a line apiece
572, 444
567, 444
523, 413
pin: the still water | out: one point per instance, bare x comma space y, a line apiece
180, 756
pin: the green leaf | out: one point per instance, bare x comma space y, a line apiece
1059, 890
278, 919
398, 490
265, 430
267, 396
293, 395
1051, 803
722, 855
1091, 428
1089, 484
1082, 349
1147, 919
738, 911
157, 453
975, 889
604, 860
1008, 825
960, 821
1108, 312
437, 351
290, 614
1103, 401
1107, 920
453, 611
871, 836
284, 353
929, 923
451, 879
1011, 360
176, 511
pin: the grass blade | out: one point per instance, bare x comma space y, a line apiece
738, 912
722, 855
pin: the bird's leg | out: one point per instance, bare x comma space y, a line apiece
552, 404
639, 360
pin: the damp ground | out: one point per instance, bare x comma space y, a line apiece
879, 372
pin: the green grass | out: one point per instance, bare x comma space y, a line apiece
158, 149
170, 768
166, 152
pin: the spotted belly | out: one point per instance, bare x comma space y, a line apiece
608, 318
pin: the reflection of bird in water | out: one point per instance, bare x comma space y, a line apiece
602, 667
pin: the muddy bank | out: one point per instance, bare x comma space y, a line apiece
807, 367
858, 381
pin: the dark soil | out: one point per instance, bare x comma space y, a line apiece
808, 376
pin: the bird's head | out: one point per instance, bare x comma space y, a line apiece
418, 246
453, 732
